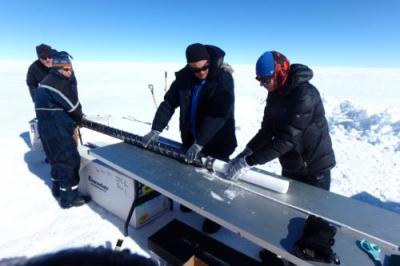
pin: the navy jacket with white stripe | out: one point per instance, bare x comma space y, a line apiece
57, 100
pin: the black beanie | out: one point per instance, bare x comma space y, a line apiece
196, 52
44, 50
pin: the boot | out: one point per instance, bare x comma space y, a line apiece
55, 189
71, 198
210, 227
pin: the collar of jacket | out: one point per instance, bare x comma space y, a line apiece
39, 64
56, 80
55, 72
298, 74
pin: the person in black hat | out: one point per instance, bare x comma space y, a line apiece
204, 92
58, 111
39, 68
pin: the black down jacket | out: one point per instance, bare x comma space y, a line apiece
294, 128
215, 123
36, 72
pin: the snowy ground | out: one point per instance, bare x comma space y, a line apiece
362, 109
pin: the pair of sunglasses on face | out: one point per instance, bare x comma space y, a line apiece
264, 80
45, 57
67, 69
199, 69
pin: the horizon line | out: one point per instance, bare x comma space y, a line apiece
184, 63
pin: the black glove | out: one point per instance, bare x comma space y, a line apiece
81, 121
192, 152
150, 137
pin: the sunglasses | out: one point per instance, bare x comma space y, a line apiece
67, 69
264, 80
45, 57
199, 69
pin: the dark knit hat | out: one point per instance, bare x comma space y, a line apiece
62, 59
44, 51
196, 52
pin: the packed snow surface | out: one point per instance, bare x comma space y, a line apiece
362, 107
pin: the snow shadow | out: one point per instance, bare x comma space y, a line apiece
27, 139
368, 198
35, 160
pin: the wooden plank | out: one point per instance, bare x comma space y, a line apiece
268, 223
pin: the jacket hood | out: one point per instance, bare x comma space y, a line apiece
216, 55
298, 74
216, 60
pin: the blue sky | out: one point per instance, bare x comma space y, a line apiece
360, 33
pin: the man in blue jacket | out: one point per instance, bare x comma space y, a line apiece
58, 111
203, 90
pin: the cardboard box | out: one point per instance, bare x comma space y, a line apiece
194, 261
115, 191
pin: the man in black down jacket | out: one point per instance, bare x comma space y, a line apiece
294, 128
203, 90
40, 68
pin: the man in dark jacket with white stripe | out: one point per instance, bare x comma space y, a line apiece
203, 90
58, 111
294, 128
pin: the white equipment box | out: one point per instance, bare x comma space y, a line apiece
115, 191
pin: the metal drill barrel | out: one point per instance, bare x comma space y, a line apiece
164, 147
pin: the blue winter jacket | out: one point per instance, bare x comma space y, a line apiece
57, 100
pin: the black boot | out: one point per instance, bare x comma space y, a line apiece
55, 189
210, 227
71, 198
